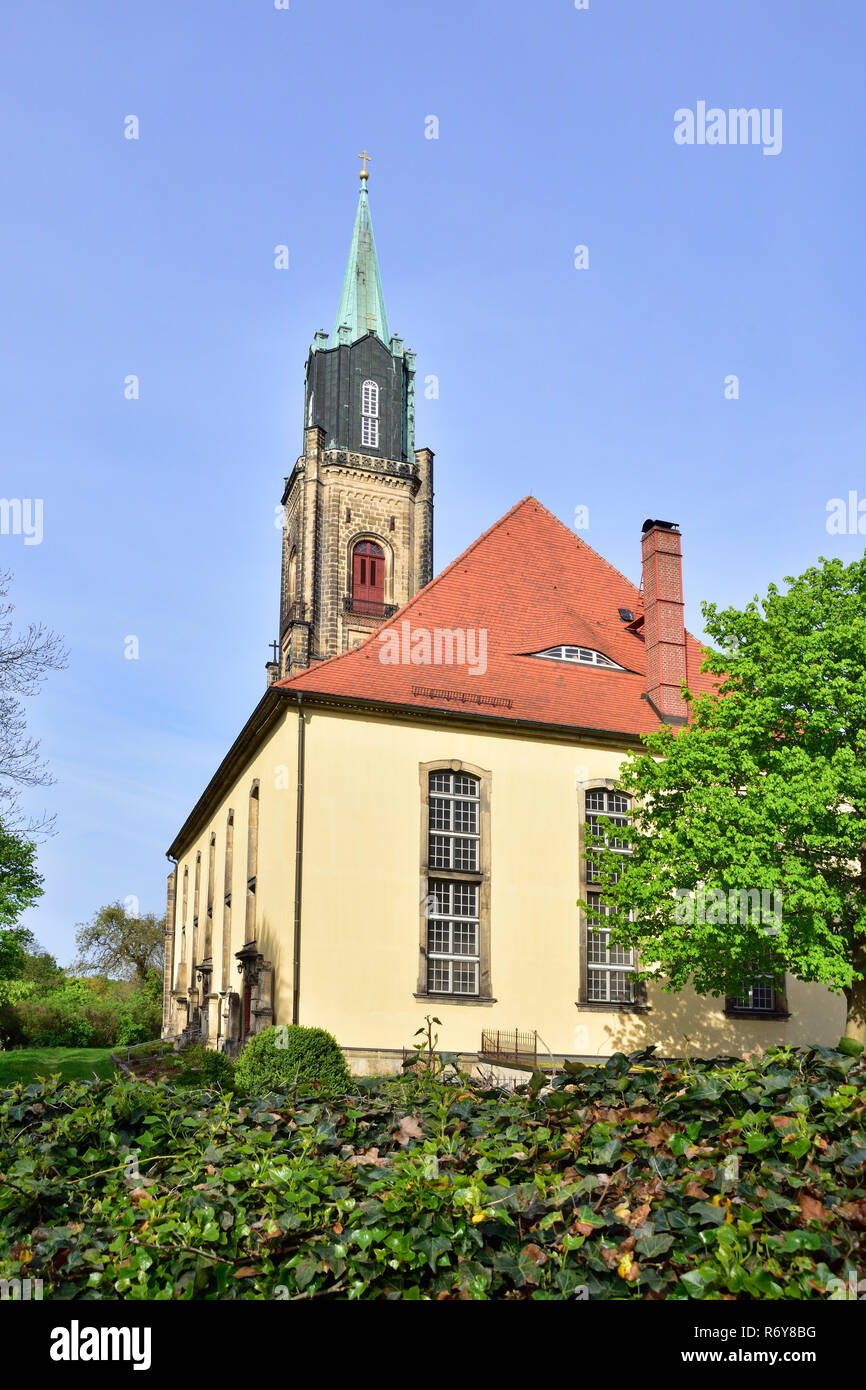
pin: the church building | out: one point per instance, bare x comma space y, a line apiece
399, 830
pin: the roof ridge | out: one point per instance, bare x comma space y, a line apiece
330, 662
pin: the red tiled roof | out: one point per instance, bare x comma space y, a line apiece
531, 583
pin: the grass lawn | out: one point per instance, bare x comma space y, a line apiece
73, 1063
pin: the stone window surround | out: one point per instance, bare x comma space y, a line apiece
583, 1003
482, 878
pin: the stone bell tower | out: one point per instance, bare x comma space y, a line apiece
358, 506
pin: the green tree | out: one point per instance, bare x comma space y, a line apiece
116, 944
41, 969
20, 886
764, 791
20, 881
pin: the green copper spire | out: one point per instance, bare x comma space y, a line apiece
362, 303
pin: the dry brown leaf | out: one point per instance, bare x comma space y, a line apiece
371, 1156
409, 1128
810, 1208
659, 1135
853, 1212
639, 1215
694, 1189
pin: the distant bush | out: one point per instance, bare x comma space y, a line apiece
86, 1013
279, 1058
203, 1066
139, 1014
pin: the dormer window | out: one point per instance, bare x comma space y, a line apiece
370, 415
584, 656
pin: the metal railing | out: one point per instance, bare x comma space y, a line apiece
510, 1045
368, 606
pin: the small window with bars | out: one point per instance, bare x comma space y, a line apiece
759, 998
370, 414
453, 917
608, 968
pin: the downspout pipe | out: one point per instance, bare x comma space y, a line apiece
299, 865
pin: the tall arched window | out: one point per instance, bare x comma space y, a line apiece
455, 876
370, 414
227, 896
195, 901
208, 921
293, 579
368, 577
607, 970
182, 977
252, 862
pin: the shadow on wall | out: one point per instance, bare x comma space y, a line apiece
683, 1025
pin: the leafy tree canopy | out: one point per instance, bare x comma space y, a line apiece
763, 792
20, 886
120, 945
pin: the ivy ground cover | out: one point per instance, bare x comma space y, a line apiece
632, 1180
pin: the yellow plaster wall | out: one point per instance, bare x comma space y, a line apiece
362, 892
275, 766
361, 896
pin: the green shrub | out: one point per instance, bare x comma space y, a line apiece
203, 1066
60, 1018
139, 1014
89, 1012
278, 1058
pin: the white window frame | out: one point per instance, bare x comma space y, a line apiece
460, 796
612, 806
601, 973
370, 414
581, 656
747, 1002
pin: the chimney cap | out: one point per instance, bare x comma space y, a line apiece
662, 525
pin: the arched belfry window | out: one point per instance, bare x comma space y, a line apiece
368, 577
293, 578
370, 414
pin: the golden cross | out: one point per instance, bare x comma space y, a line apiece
371, 322
365, 157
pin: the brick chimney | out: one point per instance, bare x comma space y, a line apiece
663, 623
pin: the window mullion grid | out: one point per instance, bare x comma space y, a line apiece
607, 805
442, 975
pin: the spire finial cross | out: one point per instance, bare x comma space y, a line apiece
366, 158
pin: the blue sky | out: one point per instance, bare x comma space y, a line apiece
602, 387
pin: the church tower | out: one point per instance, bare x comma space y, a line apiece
358, 506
